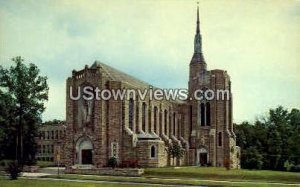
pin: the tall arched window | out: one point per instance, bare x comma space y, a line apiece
191, 118
137, 117
179, 126
160, 122
144, 116
85, 107
130, 113
153, 152
220, 139
202, 114
174, 123
170, 123
155, 119
208, 114
165, 121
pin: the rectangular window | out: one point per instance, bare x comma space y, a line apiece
114, 149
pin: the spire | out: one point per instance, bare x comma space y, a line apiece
198, 22
198, 56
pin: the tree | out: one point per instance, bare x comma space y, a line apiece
274, 148
251, 158
112, 162
13, 170
54, 121
272, 141
7, 126
25, 92
294, 139
176, 151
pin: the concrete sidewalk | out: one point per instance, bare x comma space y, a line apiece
33, 175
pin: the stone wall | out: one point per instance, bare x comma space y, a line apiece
144, 153
175, 122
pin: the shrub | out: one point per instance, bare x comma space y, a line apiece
13, 170
44, 164
227, 164
30, 162
288, 165
209, 164
112, 162
295, 168
4, 164
251, 158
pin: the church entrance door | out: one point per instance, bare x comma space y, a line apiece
84, 151
203, 159
87, 157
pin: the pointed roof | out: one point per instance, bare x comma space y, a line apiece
198, 22
117, 75
198, 55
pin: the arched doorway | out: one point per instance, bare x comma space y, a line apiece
84, 150
202, 157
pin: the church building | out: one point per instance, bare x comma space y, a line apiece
139, 132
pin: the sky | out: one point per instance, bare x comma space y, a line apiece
257, 42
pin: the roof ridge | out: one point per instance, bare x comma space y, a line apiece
118, 75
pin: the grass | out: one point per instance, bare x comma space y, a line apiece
4, 182
160, 180
180, 176
223, 174
44, 164
131, 179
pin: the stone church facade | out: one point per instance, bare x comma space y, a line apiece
139, 132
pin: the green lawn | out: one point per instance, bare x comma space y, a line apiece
201, 176
223, 174
41, 183
43, 164
137, 180
181, 176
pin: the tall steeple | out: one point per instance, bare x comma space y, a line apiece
198, 56
198, 22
